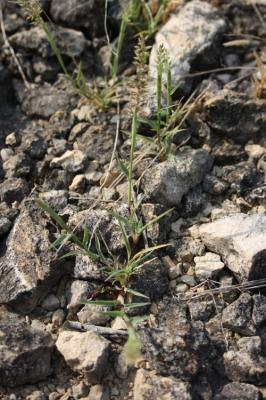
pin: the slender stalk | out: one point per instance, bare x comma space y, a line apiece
159, 101
132, 153
168, 90
121, 37
55, 48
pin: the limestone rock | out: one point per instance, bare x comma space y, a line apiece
208, 266
190, 37
167, 182
84, 352
241, 240
71, 161
28, 268
148, 385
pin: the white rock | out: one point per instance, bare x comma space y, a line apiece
255, 150
187, 35
241, 240
71, 161
208, 266
84, 352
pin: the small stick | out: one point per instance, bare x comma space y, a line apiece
100, 330
7, 44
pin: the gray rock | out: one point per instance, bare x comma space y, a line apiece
107, 225
71, 161
18, 166
44, 101
241, 177
259, 309
92, 314
88, 14
246, 364
96, 144
187, 248
13, 189
98, 392
167, 182
28, 268
5, 226
70, 42
25, 354
241, 240
193, 202
191, 38
237, 316
175, 346
51, 303
79, 291
238, 391
214, 185
85, 352
34, 145
57, 199
201, 309
87, 269
236, 115
148, 385
80, 390
208, 266
151, 279
156, 232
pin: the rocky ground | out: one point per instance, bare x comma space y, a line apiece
205, 337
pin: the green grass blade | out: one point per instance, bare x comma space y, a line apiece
53, 214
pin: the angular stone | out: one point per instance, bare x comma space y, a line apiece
259, 309
96, 143
237, 316
71, 161
88, 14
236, 115
92, 314
71, 43
5, 226
85, 352
151, 279
87, 269
191, 37
246, 364
238, 391
25, 352
28, 268
51, 303
57, 199
208, 266
167, 182
148, 385
13, 189
78, 292
241, 240
44, 101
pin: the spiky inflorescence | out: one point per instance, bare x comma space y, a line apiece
140, 61
32, 10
